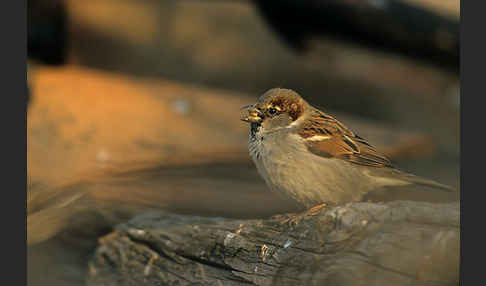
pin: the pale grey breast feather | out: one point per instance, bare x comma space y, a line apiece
255, 142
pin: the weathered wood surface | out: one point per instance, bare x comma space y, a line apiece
82, 124
218, 43
390, 25
397, 243
82, 120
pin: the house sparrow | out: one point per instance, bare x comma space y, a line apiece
313, 158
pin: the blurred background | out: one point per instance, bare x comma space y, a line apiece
134, 104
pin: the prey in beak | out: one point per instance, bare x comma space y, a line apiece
251, 114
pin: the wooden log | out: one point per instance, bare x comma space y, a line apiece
215, 42
81, 120
391, 25
98, 142
397, 243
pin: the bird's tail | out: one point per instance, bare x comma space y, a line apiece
427, 182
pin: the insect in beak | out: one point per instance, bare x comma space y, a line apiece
251, 114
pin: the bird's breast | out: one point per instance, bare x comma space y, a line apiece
289, 168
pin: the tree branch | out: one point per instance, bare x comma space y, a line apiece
397, 243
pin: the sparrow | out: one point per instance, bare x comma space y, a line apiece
310, 157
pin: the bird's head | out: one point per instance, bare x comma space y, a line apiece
277, 108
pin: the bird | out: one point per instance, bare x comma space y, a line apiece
310, 157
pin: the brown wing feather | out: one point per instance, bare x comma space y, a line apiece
341, 143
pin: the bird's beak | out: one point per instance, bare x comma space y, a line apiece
250, 114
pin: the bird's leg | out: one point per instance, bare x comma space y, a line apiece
295, 218
315, 209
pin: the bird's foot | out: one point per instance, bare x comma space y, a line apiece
295, 218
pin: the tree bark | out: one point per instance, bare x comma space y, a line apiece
396, 243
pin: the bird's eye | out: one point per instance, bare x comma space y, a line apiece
272, 110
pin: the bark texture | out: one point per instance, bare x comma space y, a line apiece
396, 243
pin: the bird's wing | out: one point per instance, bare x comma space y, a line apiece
327, 137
